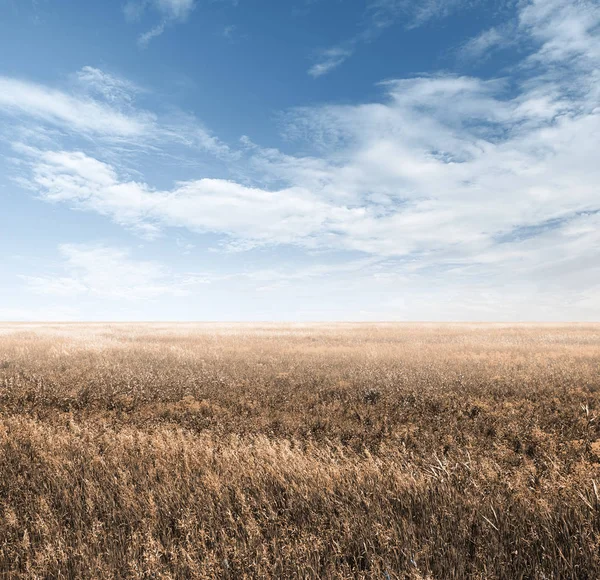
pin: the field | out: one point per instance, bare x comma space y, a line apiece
299, 451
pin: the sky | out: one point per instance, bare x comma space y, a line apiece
304, 160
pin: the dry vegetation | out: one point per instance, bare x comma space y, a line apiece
328, 451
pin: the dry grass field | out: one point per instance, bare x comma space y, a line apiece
299, 451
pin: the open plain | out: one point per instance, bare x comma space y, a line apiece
300, 451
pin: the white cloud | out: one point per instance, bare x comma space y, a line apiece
170, 11
99, 107
256, 215
380, 15
566, 30
112, 89
419, 13
77, 112
145, 38
329, 59
107, 272
413, 14
480, 46
176, 9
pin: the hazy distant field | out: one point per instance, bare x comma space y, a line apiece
299, 451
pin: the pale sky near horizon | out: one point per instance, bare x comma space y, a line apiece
302, 160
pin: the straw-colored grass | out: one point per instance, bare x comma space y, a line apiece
300, 451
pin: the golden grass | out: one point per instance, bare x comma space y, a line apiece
299, 451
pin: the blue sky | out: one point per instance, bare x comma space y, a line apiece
302, 160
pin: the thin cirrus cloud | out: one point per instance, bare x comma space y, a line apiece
107, 272
380, 15
76, 112
169, 11
329, 59
561, 37
99, 106
480, 47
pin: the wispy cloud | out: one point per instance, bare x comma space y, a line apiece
379, 16
101, 108
78, 112
106, 272
170, 12
329, 59
205, 205
229, 31
419, 13
145, 38
566, 31
484, 44
109, 87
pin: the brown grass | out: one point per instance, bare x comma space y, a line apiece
299, 451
